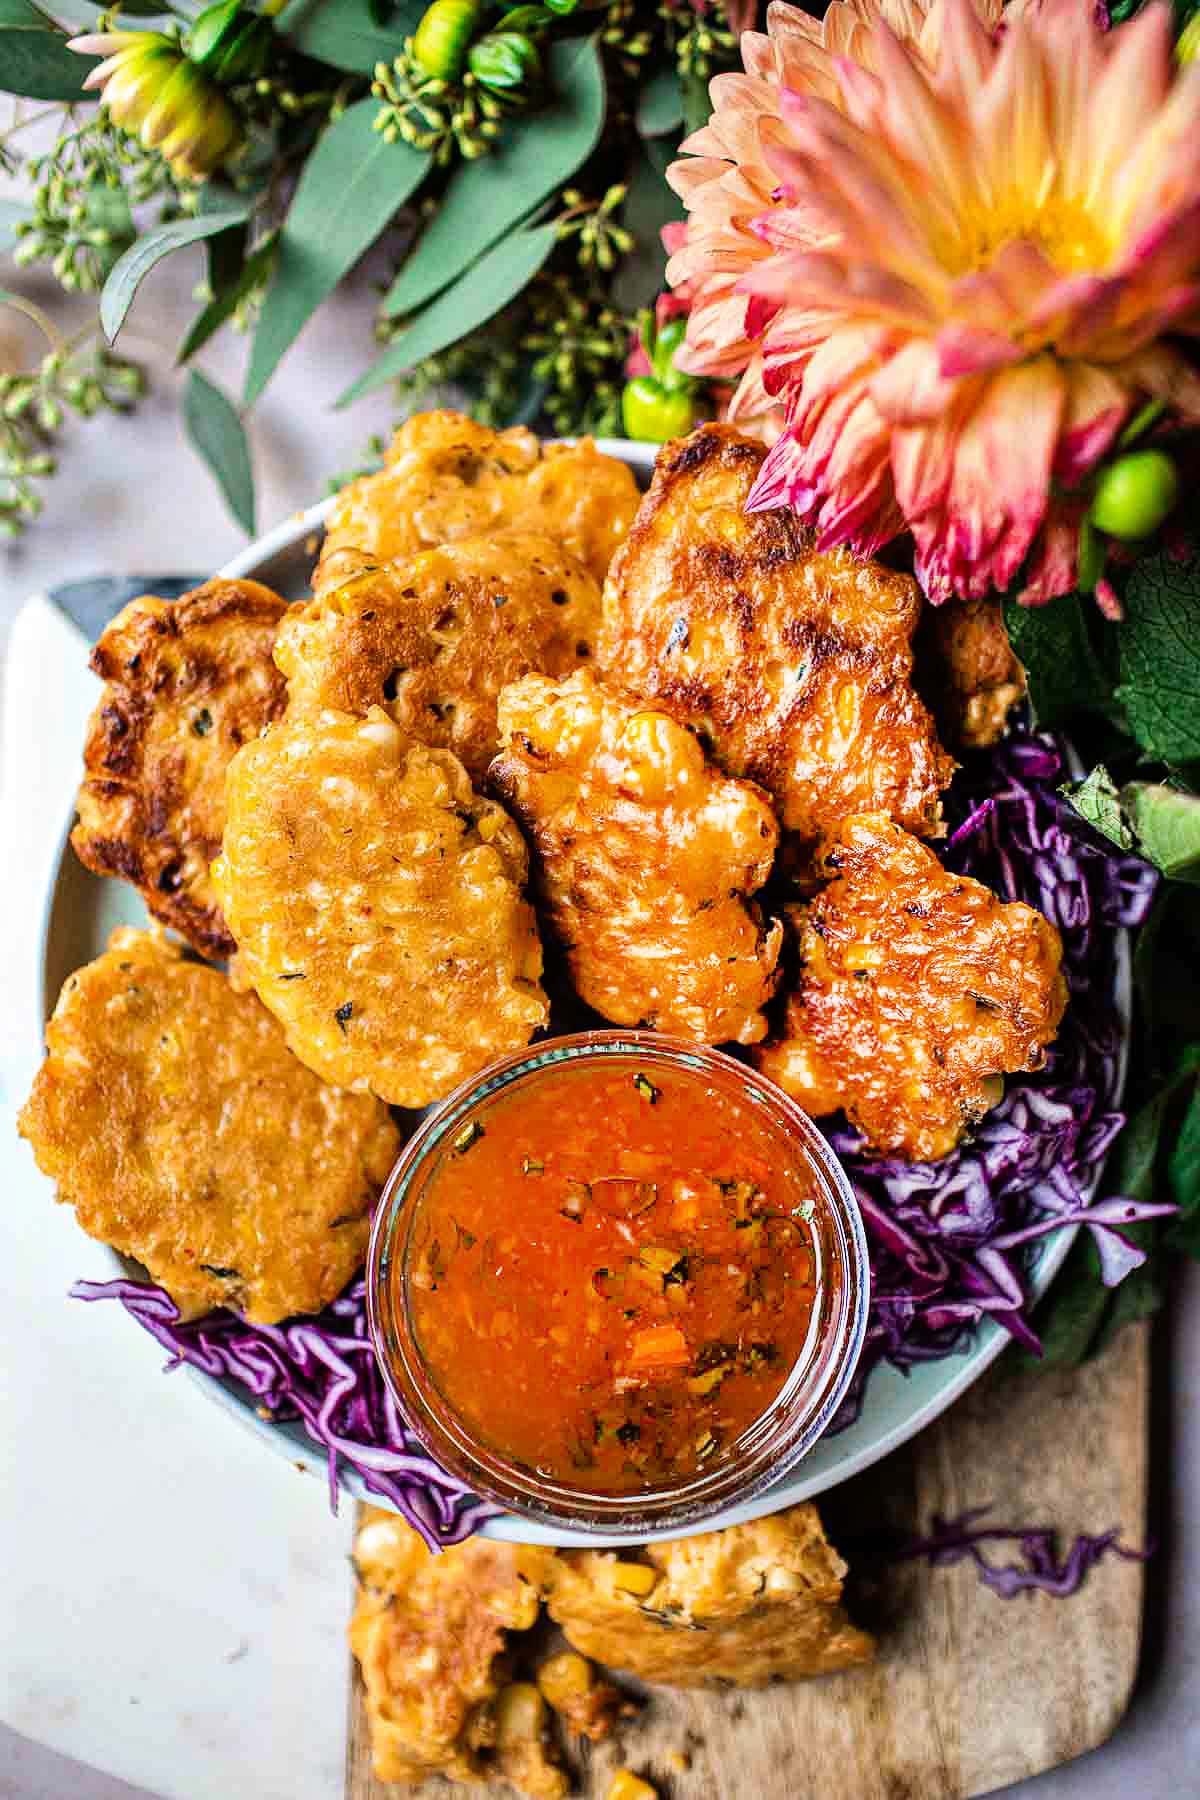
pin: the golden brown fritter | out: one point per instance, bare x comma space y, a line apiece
918, 988
446, 477
177, 1123
187, 682
969, 671
644, 856
587, 1705
745, 1605
794, 664
376, 902
434, 640
429, 1635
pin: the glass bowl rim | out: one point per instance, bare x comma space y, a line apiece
804, 1416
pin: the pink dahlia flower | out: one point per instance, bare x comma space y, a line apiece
960, 271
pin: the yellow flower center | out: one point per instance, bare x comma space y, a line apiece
1060, 226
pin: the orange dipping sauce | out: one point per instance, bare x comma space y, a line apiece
611, 1274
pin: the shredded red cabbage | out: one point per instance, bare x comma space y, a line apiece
1041, 1570
950, 1241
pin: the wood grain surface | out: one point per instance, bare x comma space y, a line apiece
970, 1691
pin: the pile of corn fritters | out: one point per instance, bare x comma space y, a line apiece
694, 759
670, 740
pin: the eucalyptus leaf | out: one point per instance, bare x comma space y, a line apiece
475, 297
488, 197
216, 432
350, 187
131, 269
225, 303
660, 104
649, 205
347, 33
34, 59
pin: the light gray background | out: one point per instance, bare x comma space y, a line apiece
132, 497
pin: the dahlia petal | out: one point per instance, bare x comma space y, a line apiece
912, 387
1161, 373
780, 481
1053, 566
968, 350
1097, 405
999, 488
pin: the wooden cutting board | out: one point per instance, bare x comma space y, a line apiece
970, 1691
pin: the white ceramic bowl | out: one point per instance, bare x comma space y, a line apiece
81, 910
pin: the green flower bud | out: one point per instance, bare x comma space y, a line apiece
155, 93
651, 414
505, 60
213, 32
1133, 495
440, 42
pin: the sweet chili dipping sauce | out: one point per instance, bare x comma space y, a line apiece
612, 1272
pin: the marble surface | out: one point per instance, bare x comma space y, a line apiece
187, 1591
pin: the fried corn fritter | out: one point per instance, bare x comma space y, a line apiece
187, 683
644, 857
434, 641
743, 1605
918, 989
446, 477
376, 902
969, 670
794, 664
177, 1123
429, 1635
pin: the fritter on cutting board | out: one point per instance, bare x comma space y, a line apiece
429, 1635
918, 989
794, 664
644, 858
434, 640
376, 902
187, 683
445, 477
183, 1131
744, 1605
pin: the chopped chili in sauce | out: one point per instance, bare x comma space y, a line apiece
610, 1289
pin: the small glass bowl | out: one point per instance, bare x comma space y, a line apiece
768, 1448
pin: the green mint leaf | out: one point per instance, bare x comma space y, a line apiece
1166, 821
1160, 657
217, 433
487, 198
1098, 800
1064, 672
351, 186
1155, 819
